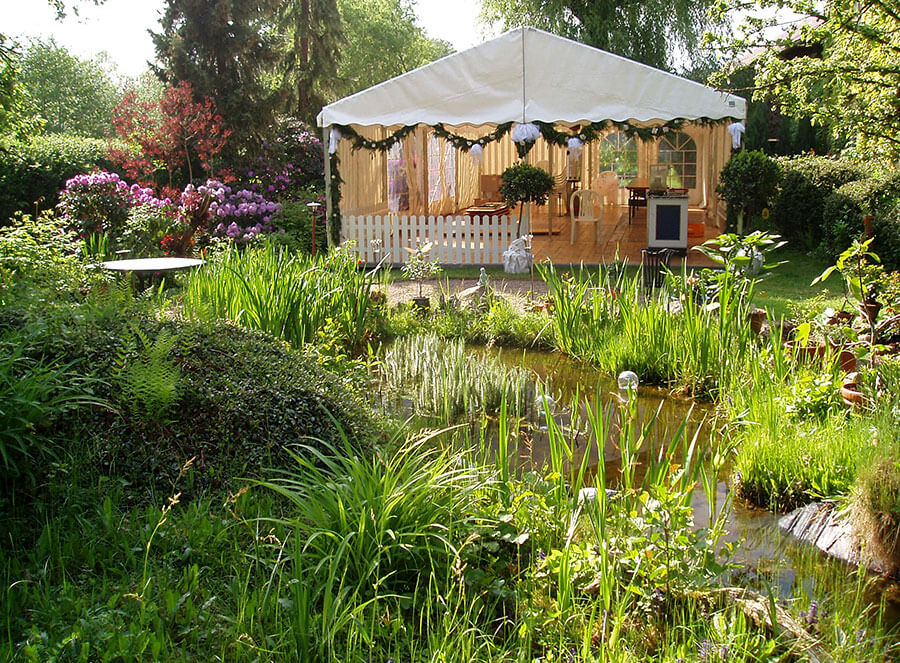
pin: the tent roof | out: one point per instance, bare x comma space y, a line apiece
525, 75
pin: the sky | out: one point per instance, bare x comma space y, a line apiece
120, 27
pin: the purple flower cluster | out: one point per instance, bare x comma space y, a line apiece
96, 202
240, 215
289, 163
146, 196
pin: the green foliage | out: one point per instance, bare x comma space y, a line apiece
39, 260
17, 113
854, 265
149, 378
698, 350
419, 266
806, 183
243, 398
497, 324
748, 181
382, 39
834, 64
524, 183
443, 381
73, 96
296, 221
877, 196
36, 393
658, 34
33, 173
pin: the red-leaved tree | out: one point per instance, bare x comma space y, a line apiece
174, 134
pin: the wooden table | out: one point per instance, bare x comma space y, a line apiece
488, 209
637, 195
144, 267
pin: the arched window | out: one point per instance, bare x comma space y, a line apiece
618, 153
679, 152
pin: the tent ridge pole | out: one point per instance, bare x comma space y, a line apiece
523, 75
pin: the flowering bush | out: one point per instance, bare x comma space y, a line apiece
97, 202
238, 215
289, 163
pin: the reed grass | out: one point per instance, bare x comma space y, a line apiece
294, 297
609, 320
444, 382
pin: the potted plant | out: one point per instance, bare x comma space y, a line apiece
419, 266
524, 183
859, 276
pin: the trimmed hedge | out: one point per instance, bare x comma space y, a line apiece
843, 212
33, 173
806, 182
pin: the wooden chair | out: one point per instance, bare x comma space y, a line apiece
607, 183
586, 206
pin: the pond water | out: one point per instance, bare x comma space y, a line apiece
766, 554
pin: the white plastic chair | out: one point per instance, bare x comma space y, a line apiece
607, 183
589, 204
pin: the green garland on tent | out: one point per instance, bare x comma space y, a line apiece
383, 145
336, 182
466, 144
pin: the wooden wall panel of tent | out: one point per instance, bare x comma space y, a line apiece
364, 172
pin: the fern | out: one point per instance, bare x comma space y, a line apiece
150, 380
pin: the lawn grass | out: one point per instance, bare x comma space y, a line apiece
788, 286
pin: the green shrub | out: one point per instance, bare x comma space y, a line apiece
237, 400
805, 184
296, 221
33, 173
747, 183
39, 260
843, 212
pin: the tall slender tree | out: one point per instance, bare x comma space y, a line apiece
313, 37
227, 50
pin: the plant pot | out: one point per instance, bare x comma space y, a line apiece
847, 361
845, 356
421, 303
757, 318
869, 310
851, 395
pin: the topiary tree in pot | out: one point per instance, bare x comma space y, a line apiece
747, 183
524, 183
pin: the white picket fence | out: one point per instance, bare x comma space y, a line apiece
458, 240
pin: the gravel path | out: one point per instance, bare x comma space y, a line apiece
517, 291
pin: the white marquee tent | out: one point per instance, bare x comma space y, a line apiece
524, 75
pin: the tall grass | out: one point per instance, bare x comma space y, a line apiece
615, 325
294, 297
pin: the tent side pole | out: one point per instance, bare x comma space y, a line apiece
325, 135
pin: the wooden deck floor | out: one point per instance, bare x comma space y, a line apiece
618, 239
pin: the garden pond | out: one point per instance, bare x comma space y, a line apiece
765, 555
